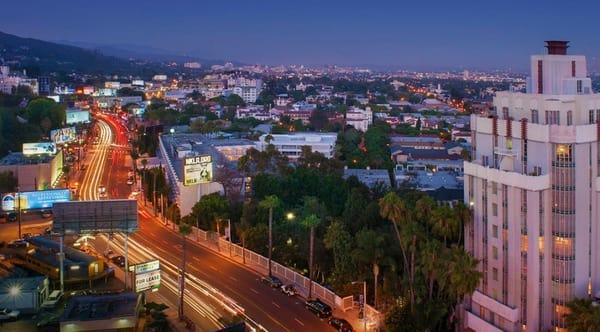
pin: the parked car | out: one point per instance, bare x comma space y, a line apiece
46, 213
27, 235
16, 244
130, 181
11, 217
288, 290
319, 308
52, 299
272, 281
340, 324
8, 314
109, 254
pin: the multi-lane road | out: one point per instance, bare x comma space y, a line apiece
213, 281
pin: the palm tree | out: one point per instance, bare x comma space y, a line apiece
270, 202
184, 231
310, 222
584, 316
370, 249
242, 229
430, 264
391, 207
462, 275
444, 223
144, 163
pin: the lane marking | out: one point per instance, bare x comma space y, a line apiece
232, 278
212, 267
299, 322
275, 304
254, 290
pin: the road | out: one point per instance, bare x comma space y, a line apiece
241, 286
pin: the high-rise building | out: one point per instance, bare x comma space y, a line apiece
533, 185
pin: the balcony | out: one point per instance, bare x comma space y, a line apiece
512, 179
475, 323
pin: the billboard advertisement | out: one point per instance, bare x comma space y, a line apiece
88, 217
147, 276
32, 149
31, 200
77, 116
63, 135
197, 170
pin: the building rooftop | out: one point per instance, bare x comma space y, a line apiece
47, 249
25, 284
18, 158
98, 307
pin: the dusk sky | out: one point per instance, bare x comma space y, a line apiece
405, 34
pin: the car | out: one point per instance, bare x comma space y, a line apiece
11, 217
27, 235
340, 324
118, 260
17, 244
46, 213
81, 292
272, 281
109, 254
319, 308
130, 181
288, 290
48, 231
102, 191
52, 299
9, 314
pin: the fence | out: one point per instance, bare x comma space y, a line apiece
260, 264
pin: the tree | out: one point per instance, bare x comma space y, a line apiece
311, 222
318, 120
339, 240
370, 250
394, 209
270, 203
66, 170
184, 231
208, 212
584, 315
462, 275
242, 230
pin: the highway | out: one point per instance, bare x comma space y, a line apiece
239, 288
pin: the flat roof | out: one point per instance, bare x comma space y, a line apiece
72, 256
18, 158
99, 307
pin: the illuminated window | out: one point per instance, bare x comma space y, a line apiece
494, 209
495, 252
495, 231
495, 278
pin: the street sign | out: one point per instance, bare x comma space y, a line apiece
146, 275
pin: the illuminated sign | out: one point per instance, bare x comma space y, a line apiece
147, 276
63, 135
77, 116
197, 170
30, 200
31, 149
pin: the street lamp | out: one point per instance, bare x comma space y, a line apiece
364, 301
14, 291
290, 216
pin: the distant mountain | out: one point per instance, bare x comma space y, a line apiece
141, 52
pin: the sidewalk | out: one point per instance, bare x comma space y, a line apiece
233, 253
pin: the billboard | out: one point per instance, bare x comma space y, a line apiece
32, 149
63, 135
31, 200
105, 216
146, 275
197, 170
77, 116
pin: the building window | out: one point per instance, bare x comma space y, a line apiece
591, 116
579, 86
495, 231
505, 113
535, 117
495, 252
569, 118
540, 78
552, 118
494, 209
494, 188
495, 277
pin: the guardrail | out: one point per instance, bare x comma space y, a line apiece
260, 264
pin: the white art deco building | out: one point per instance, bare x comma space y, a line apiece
533, 186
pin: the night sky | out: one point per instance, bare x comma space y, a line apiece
408, 34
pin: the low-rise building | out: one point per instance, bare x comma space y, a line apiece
291, 144
24, 294
370, 177
359, 119
114, 312
34, 172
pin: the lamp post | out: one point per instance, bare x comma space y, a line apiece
364, 301
19, 208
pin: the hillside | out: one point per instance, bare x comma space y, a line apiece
52, 57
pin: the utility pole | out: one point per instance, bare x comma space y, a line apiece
61, 258
19, 209
154, 195
270, 238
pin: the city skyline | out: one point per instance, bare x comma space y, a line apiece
422, 36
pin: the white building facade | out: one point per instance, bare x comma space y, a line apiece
533, 186
291, 145
359, 119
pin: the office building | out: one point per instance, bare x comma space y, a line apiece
533, 187
291, 145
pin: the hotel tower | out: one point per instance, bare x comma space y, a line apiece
532, 184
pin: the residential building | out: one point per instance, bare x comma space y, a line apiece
291, 144
533, 187
370, 177
359, 119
